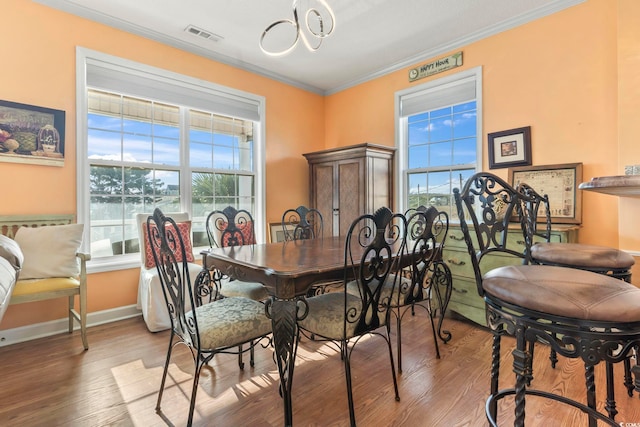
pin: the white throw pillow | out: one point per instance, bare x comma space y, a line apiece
50, 251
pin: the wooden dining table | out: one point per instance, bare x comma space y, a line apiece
287, 269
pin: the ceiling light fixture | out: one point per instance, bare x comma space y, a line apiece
319, 22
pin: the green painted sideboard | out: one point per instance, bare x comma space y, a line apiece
465, 300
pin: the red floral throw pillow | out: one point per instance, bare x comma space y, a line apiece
247, 233
184, 228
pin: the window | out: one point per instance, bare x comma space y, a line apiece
438, 140
153, 139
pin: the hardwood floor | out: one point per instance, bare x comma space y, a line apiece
52, 382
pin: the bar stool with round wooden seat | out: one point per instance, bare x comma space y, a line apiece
580, 314
598, 259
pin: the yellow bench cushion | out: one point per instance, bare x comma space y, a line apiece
38, 289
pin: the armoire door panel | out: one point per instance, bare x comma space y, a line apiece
324, 195
378, 190
350, 194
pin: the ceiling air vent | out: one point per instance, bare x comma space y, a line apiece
191, 29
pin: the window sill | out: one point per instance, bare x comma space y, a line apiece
125, 262
114, 263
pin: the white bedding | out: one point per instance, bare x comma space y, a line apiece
7, 282
11, 260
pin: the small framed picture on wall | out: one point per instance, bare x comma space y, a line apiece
510, 148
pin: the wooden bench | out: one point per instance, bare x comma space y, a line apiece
31, 290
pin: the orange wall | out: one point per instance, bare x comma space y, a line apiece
628, 124
573, 77
556, 74
38, 51
562, 75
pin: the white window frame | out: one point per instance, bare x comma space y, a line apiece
153, 76
401, 126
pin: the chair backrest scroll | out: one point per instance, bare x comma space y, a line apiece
426, 233
488, 204
373, 250
170, 257
230, 227
302, 223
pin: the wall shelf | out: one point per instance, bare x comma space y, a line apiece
622, 185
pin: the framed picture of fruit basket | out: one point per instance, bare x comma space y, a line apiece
31, 134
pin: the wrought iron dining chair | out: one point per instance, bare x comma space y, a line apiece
228, 228
302, 223
220, 326
580, 314
598, 259
427, 282
150, 295
373, 250
234, 227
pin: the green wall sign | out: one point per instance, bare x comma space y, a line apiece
435, 67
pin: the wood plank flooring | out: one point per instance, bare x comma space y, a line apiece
52, 382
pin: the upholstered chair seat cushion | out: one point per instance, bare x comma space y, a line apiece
399, 290
230, 321
326, 315
565, 292
580, 255
237, 288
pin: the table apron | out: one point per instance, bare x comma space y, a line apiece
280, 286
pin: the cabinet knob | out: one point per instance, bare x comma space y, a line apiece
460, 291
454, 237
455, 262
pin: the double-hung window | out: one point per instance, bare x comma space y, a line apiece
438, 139
150, 138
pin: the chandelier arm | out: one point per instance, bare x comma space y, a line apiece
308, 45
300, 35
286, 50
303, 36
315, 11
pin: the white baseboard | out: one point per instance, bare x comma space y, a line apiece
53, 327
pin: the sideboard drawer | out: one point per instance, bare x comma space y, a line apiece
455, 239
464, 297
463, 289
458, 262
475, 314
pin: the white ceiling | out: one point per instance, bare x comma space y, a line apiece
371, 38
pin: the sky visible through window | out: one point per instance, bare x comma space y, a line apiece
441, 152
135, 141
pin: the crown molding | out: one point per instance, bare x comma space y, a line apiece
84, 12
